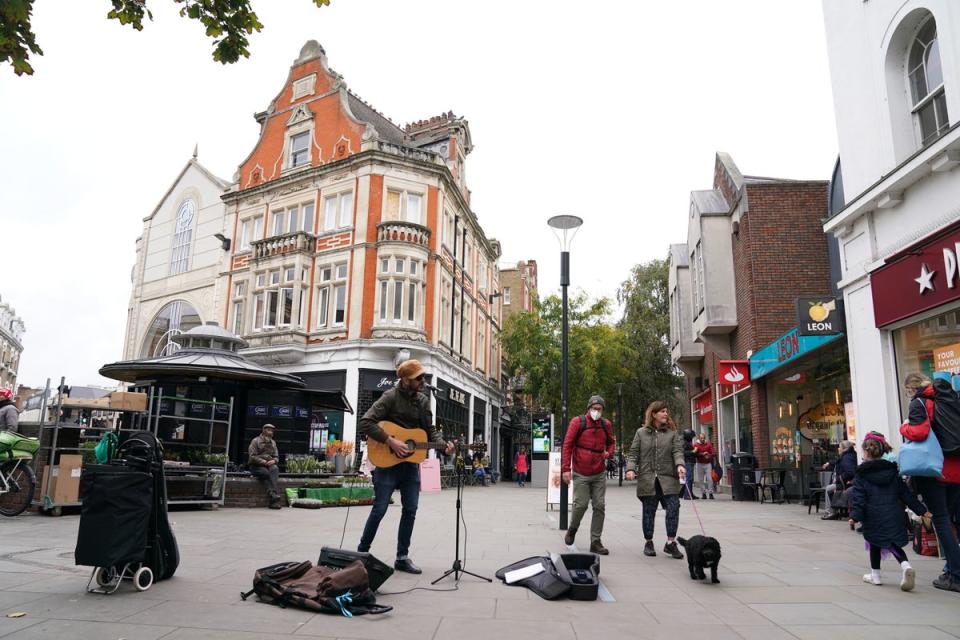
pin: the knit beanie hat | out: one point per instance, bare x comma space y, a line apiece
596, 400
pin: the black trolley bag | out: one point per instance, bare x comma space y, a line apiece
123, 521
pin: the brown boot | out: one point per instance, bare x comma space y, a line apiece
597, 547
569, 537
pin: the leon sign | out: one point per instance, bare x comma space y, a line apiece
822, 316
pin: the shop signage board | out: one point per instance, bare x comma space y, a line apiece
786, 349
923, 276
732, 376
821, 316
823, 421
703, 403
457, 396
257, 410
281, 411
947, 358
377, 380
851, 419
430, 476
554, 479
540, 434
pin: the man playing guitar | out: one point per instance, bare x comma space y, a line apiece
406, 406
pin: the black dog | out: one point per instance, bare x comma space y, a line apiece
702, 552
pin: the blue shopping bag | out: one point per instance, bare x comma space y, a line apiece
923, 459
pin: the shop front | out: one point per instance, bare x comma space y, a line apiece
735, 434
453, 411
916, 300
805, 380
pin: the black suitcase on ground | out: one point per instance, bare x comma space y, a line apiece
377, 571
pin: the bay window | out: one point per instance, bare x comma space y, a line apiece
250, 229
404, 206
400, 290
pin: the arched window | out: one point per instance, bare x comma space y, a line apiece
183, 234
925, 75
173, 319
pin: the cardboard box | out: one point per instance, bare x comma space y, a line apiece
64, 480
128, 401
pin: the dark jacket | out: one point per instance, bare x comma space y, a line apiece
9, 416
877, 500
689, 457
845, 467
403, 409
587, 446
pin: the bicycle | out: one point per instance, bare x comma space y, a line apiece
17, 477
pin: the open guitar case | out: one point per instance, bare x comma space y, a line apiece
574, 575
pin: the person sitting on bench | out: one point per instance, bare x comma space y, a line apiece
263, 463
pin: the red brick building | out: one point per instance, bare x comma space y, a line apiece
754, 246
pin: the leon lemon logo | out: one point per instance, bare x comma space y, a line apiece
819, 311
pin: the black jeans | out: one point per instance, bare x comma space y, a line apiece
877, 552
406, 477
269, 476
941, 498
670, 504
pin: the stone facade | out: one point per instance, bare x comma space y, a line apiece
11, 335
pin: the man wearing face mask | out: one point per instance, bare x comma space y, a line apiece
406, 406
589, 443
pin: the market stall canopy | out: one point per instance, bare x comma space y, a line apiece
205, 351
332, 399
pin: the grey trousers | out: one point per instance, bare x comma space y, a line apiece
269, 476
587, 489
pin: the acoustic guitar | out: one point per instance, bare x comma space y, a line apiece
382, 456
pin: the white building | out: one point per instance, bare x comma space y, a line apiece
176, 276
11, 345
895, 69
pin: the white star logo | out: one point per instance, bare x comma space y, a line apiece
925, 280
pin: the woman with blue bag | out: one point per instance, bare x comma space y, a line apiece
941, 494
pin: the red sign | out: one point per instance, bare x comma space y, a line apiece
703, 403
734, 372
922, 277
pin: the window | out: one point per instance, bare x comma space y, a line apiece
273, 301
506, 295
448, 228
250, 229
400, 291
405, 206
338, 211
183, 233
925, 76
467, 254
444, 331
173, 319
482, 274
293, 219
481, 342
467, 335
239, 293
332, 295
300, 149
696, 260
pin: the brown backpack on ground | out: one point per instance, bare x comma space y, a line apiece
322, 589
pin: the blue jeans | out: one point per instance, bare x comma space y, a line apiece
405, 477
941, 499
690, 467
670, 504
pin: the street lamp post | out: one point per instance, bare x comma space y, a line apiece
565, 228
620, 435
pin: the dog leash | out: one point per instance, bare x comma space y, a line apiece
693, 503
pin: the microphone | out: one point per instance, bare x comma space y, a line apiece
440, 393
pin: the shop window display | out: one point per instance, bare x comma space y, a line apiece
931, 346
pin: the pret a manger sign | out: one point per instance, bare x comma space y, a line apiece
923, 276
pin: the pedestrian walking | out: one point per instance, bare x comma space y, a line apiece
588, 444
942, 495
521, 465
656, 460
703, 449
875, 502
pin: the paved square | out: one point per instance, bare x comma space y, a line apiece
784, 574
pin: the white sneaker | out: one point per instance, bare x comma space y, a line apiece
908, 580
868, 578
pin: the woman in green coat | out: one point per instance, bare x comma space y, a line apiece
656, 460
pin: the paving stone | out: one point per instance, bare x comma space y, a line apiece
867, 632
806, 614
85, 630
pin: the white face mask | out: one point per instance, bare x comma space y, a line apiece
594, 414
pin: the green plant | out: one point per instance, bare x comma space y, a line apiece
89, 457
302, 464
194, 456
218, 459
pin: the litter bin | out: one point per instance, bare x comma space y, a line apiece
744, 480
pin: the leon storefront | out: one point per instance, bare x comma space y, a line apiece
805, 376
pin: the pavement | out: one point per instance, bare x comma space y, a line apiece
784, 574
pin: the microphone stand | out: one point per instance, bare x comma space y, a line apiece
457, 568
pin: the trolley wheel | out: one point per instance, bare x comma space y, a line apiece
104, 576
143, 578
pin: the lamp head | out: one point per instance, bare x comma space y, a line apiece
565, 227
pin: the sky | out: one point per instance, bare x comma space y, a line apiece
609, 110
